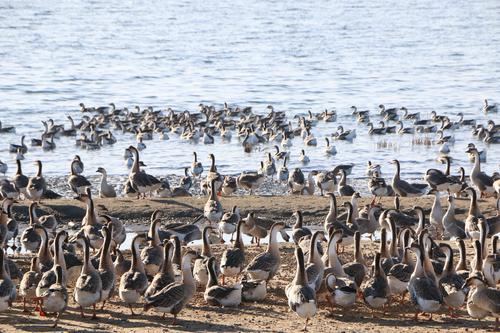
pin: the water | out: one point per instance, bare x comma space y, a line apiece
425, 55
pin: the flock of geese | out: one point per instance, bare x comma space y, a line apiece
165, 274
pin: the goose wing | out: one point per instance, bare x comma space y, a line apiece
264, 261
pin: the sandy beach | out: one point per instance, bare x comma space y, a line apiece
272, 315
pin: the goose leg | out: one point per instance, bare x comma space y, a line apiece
94, 316
131, 310
496, 324
103, 304
174, 322
81, 312
25, 310
305, 327
223, 280
57, 320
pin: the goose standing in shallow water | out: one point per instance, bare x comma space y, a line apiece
77, 182
301, 297
403, 188
105, 190
196, 166
133, 283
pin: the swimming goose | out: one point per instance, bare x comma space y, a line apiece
36, 185
7, 129
482, 300
452, 226
342, 134
22, 148
105, 190
76, 182
233, 260
486, 107
46, 144
375, 131
196, 166
207, 137
106, 268
27, 287
88, 287
7, 287
175, 296
298, 230
450, 282
265, 265
482, 181
403, 188
376, 291
310, 140
165, 275
200, 271
301, 297
213, 210
343, 188
133, 283
422, 285
152, 255
220, 295
303, 158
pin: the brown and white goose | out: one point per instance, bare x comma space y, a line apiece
27, 287
220, 295
106, 268
152, 255
403, 188
20, 181
166, 274
36, 185
7, 287
450, 282
76, 181
232, 261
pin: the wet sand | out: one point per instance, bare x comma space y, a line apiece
272, 315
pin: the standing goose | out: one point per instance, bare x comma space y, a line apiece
77, 182
175, 296
422, 285
229, 185
138, 179
55, 298
49, 277
265, 265
301, 297
133, 283
471, 222
7, 287
220, 295
331, 221
30, 239
213, 209
78, 166
27, 287
344, 189
152, 255
450, 282
20, 181
461, 268
106, 268
399, 275
45, 260
403, 188
436, 215
356, 270
88, 287
298, 230
213, 174
166, 274
296, 181
315, 267
283, 172
326, 181
91, 227
484, 299
250, 181
491, 264
376, 291
228, 222
452, 226
232, 261
36, 185
200, 271
105, 190
196, 166
482, 181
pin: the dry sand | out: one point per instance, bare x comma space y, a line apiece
269, 316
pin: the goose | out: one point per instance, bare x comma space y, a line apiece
280, 155
269, 166
482, 181
406, 115
138, 180
251, 228
471, 222
220, 295
200, 271
22, 148
342, 134
450, 282
27, 287
7, 129
78, 166
265, 265
133, 283
363, 225
452, 226
140, 144
331, 221
88, 287
465, 122
229, 221
301, 297
186, 181
213, 210
30, 238
343, 188
250, 181
303, 158
486, 107
213, 174
485, 300
233, 260
379, 188
482, 154
283, 172
229, 185
310, 140
7, 189
376, 291
106, 268
399, 275
356, 270
55, 298
436, 215
422, 286
208, 139
105, 190
120, 264
152, 255
375, 131
315, 267
7, 287
388, 129
461, 267
403, 188
296, 181
3, 167
91, 227
49, 277
36, 185
326, 181
373, 169
165, 275
20, 181
298, 230
175, 296
76, 182
46, 144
